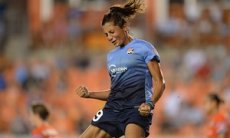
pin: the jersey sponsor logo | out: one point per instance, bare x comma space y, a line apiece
116, 70
130, 50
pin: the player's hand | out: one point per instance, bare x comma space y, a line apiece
82, 92
144, 109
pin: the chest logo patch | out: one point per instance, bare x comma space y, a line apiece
130, 51
116, 70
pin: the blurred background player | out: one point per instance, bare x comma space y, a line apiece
218, 124
132, 65
39, 117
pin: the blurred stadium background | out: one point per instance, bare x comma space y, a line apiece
48, 47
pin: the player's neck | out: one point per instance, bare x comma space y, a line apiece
127, 40
214, 111
41, 123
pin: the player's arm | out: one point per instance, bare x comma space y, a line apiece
159, 82
159, 86
84, 93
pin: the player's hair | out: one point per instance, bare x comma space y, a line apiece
120, 15
41, 110
216, 98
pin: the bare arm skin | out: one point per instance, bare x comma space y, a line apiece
84, 93
159, 82
159, 86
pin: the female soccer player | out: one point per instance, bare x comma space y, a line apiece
132, 65
218, 124
39, 115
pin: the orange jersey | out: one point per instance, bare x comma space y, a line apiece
217, 125
44, 131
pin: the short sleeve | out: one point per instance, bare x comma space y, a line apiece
150, 53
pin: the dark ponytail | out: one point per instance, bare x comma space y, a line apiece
120, 15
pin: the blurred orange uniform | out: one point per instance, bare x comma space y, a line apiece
218, 125
44, 131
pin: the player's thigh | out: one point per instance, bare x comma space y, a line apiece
134, 131
94, 132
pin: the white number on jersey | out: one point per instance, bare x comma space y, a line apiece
98, 115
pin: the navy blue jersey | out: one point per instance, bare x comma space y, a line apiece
131, 81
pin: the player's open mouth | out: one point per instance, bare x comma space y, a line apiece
114, 42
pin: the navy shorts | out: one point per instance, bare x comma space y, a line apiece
114, 122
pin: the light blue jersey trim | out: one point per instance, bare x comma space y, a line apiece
148, 87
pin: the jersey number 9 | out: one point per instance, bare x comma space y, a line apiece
98, 115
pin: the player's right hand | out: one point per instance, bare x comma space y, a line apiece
82, 92
144, 109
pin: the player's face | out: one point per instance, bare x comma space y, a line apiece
209, 106
116, 35
33, 119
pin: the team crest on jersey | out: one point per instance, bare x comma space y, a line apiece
130, 51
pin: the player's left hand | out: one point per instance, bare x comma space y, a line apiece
144, 109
